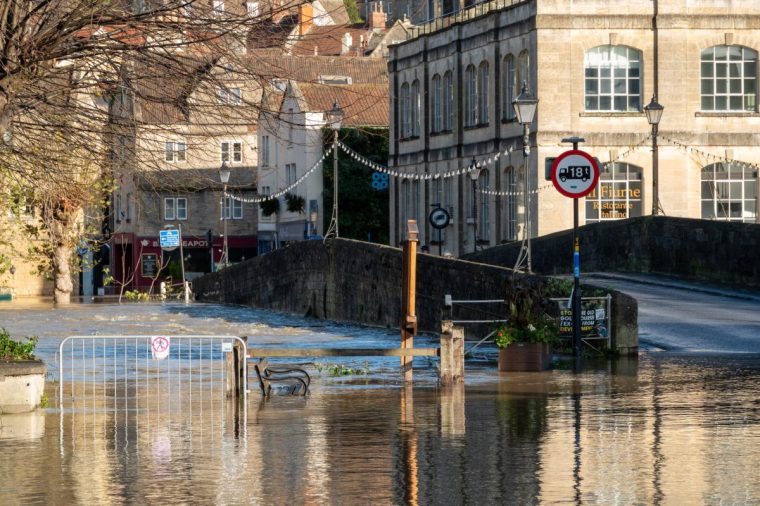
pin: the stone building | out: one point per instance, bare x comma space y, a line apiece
593, 69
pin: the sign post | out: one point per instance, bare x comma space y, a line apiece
439, 219
169, 239
575, 174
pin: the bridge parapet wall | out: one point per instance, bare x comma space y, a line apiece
360, 282
698, 250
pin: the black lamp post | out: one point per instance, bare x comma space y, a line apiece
224, 177
525, 106
334, 118
654, 114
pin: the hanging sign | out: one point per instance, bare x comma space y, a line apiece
575, 173
159, 346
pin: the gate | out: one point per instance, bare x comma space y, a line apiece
153, 373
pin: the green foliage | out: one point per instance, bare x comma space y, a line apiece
295, 203
44, 401
136, 295
363, 210
336, 370
353, 11
16, 350
529, 314
269, 207
542, 332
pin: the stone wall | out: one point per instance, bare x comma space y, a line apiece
361, 282
699, 250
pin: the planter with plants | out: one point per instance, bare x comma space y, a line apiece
22, 387
525, 342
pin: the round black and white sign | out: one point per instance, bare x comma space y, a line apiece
575, 173
439, 218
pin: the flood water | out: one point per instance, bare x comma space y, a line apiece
663, 429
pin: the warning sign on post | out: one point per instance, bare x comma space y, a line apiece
590, 319
159, 346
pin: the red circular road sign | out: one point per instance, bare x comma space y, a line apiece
160, 344
575, 173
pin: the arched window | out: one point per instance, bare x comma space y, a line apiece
484, 217
613, 79
483, 93
729, 192
405, 106
523, 70
510, 220
470, 97
437, 104
415, 108
729, 79
618, 194
448, 102
510, 87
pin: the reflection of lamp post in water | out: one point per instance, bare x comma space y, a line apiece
525, 109
224, 177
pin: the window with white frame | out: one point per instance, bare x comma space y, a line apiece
448, 102
729, 192
728, 79
484, 218
437, 125
405, 111
252, 8
218, 7
510, 86
510, 220
265, 150
175, 208
230, 96
415, 97
617, 195
232, 151
470, 97
232, 209
483, 93
613, 79
290, 173
415, 215
175, 151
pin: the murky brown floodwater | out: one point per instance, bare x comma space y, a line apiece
660, 430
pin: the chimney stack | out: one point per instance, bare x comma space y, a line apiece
305, 18
377, 17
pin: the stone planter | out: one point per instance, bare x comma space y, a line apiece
523, 357
21, 385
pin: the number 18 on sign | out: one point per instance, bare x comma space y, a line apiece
575, 174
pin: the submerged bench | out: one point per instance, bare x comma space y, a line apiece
297, 380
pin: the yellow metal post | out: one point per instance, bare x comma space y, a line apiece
408, 297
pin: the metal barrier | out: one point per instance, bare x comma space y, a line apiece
157, 373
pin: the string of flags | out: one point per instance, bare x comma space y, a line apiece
710, 156
280, 193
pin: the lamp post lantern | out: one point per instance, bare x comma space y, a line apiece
654, 114
334, 118
224, 177
525, 106
474, 174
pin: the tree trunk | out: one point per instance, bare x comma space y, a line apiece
62, 284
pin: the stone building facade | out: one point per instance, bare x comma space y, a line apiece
593, 69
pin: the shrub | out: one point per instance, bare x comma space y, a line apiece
16, 350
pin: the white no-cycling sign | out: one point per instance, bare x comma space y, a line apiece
575, 173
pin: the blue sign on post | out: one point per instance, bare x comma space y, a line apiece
169, 238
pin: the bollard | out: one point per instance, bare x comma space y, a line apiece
236, 363
452, 354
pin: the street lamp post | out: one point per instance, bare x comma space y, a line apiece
224, 177
474, 174
525, 109
334, 118
654, 114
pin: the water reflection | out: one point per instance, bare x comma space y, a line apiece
660, 430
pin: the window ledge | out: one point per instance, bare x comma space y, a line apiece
726, 114
410, 138
506, 121
611, 114
442, 132
475, 127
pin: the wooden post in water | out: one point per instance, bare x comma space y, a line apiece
236, 370
408, 296
452, 354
